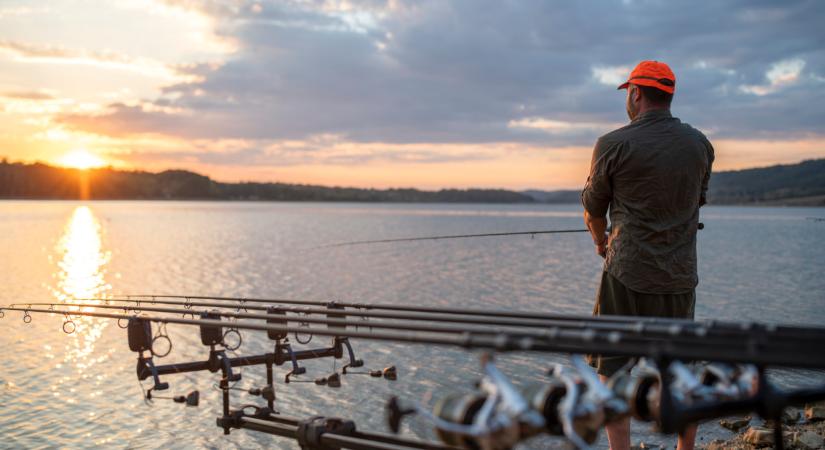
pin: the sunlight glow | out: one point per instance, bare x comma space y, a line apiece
81, 159
81, 275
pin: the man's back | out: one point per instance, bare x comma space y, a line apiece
653, 173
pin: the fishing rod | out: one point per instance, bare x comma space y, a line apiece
462, 236
327, 433
452, 236
756, 349
371, 307
575, 410
337, 318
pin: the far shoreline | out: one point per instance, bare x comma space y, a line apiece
790, 203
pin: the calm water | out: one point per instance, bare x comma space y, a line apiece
80, 390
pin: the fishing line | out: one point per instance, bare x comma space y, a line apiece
452, 236
462, 236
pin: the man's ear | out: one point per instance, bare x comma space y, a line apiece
636, 94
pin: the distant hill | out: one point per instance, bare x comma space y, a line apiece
801, 184
41, 181
565, 196
794, 184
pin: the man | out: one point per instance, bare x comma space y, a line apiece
652, 175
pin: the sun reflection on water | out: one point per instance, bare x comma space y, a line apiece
82, 267
81, 275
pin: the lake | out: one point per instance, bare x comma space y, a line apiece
80, 390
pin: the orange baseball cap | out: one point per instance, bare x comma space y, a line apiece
654, 74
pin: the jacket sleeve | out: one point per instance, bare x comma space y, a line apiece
703, 197
598, 190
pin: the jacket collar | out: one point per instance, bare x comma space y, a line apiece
653, 114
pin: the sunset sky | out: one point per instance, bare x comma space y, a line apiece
423, 93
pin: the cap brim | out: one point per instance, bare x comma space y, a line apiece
649, 83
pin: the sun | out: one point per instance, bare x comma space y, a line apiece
81, 159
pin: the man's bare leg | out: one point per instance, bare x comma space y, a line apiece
687, 438
618, 433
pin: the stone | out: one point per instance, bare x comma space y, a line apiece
809, 440
735, 423
815, 412
717, 444
790, 416
759, 437
646, 446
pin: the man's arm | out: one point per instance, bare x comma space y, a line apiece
598, 230
597, 195
703, 197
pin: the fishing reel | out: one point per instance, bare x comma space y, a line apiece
639, 390
493, 418
574, 403
713, 382
577, 403
731, 381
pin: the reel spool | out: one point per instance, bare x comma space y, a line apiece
545, 398
459, 409
462, 410
641, 392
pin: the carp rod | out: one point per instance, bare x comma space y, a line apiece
700, 226
452, 236
335, 318
756, 350
557, 404
241, 302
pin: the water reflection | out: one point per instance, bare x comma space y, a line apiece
82, 271
81, 275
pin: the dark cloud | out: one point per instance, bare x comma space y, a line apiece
461, 71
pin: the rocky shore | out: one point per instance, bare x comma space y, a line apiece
803, 430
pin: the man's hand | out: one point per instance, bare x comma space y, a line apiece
601, 247
598, 230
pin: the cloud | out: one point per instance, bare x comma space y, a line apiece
28, 95
611, 76
16, 11
102, 59
317, 150
781, 74
556, 127
416, 72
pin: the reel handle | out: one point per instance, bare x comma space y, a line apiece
395, 413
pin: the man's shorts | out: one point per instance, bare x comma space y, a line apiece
614, 298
